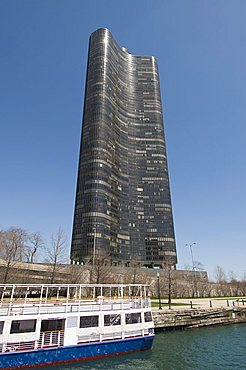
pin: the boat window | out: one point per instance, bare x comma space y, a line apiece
52, 325
110, 320
147, 316
23, 326
133, 318
1, 327
88, 321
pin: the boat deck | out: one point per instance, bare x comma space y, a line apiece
37, 308
50, 299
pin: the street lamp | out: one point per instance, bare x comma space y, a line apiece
158, 288
193, 265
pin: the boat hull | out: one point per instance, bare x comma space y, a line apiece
80, 352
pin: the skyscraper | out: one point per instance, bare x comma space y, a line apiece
123, 204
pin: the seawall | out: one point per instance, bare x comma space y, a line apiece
194, 318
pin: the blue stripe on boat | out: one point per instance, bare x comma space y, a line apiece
80, 352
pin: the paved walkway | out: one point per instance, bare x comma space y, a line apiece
204, 303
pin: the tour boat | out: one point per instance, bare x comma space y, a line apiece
44, 325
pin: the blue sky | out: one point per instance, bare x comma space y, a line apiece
201, 50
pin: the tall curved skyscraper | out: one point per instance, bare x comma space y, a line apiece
123, 204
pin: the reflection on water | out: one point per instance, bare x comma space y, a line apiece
215, 348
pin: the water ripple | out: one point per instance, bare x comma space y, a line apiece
216, 348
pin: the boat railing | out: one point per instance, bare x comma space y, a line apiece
113, 336
46, 339
18, 346
73, 306
51, 338
56, 338
41, 299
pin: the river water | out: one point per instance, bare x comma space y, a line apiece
211, 348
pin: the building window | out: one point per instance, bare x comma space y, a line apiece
23, 326
88, 321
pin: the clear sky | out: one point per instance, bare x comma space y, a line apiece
201, 50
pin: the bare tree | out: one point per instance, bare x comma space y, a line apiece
55, 255
76, 274
243, 284
192, 279
168, 273
222, 286
232, 277
220, 275
198, 266
135, 275
12, 249
235, 284
100, 268
35, 242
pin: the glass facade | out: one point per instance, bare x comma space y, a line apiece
123, 204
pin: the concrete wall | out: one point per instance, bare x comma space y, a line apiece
186, 319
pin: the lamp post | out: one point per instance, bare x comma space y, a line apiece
158, 288
193, 266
